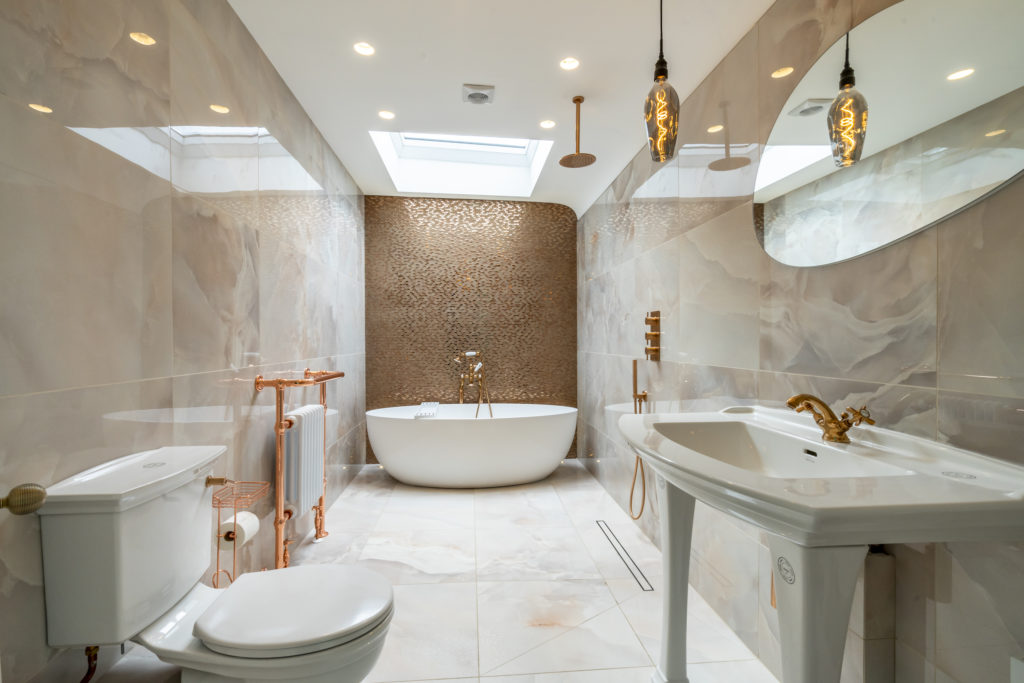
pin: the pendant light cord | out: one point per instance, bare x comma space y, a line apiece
661, 31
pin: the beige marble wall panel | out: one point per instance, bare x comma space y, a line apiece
77, 59
794, 34
86, 282
216, 288
870, 319
721, 269
144, 255
980, 319
47, 437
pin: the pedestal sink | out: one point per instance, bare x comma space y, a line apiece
821, 503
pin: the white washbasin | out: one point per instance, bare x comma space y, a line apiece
771, 468
822, 505
773, 453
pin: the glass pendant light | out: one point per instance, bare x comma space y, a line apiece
847, 118
661, 108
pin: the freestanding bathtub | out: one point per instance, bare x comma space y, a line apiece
523, 442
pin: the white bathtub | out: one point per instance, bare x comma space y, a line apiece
523, 442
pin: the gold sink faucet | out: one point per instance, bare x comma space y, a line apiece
833, 428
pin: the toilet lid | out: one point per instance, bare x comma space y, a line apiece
294, 611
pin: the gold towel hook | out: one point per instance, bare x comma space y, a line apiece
24, 499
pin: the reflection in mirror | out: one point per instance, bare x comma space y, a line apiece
935, 144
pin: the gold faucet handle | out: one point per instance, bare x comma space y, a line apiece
857, 417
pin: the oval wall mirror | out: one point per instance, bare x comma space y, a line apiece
936, 141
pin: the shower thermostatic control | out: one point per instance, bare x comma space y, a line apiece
652, 338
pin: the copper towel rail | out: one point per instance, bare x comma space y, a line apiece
281, 425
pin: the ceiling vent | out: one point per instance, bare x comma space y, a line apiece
477, 94
810, 107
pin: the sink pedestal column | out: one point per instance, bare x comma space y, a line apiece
676, 510
814, 593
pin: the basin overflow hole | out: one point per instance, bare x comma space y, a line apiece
810, 455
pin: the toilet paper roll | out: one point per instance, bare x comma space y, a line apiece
231, 535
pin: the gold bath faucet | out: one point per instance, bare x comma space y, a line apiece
833, 428
474, 375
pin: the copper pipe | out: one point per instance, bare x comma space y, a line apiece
92, 654
320, 518
280, 427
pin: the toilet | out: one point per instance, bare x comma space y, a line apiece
125, 545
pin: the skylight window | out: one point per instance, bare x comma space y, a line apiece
434, 163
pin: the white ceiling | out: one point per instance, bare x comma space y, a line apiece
427, 50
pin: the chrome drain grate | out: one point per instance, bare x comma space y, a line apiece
624, 555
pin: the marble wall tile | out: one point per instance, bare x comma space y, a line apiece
973, 639
216, 287
870, 319
907, 409
987, 424
915, 619
724, 570
721, 268
78, 59
794, 34
75, 250
48, 437
980, 323
151, 259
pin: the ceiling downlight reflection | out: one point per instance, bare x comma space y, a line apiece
783, 72
219, 108
957, 75
41, 108
364, 48
142, 38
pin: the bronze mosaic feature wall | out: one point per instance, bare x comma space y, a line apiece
449, 275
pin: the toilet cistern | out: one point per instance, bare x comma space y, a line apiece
833, 428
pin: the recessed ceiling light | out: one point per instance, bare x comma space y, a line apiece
142, 38
547, 124
364, 49
993, 133
219, 108
715, 128
569, 63
783, 72
957, 75
386, 115
41, 107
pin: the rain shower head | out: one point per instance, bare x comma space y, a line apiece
579, 159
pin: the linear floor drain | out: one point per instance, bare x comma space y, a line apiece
624, 555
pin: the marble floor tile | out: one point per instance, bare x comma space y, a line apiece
433, 634
605, 642
410, 507
422, 555
607, 559
750, 671
531, 505
520, 553
709, 639
631, 675
340, 547
517, 616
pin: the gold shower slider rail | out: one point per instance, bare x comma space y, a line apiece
281, 425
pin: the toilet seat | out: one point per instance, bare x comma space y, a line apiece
171, 638
304, 609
